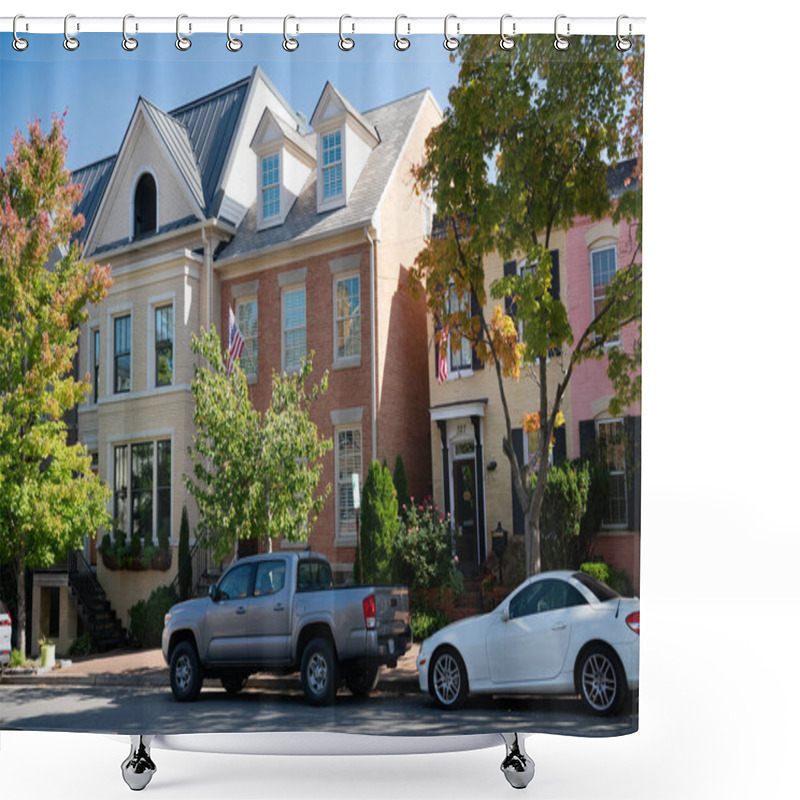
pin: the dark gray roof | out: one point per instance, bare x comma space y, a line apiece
93, 179
393, 123
617, 176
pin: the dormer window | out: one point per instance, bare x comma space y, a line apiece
271, 186
332, 165
144, 206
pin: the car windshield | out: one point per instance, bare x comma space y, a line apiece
596, 587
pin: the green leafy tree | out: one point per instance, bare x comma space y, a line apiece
565, 500
378, 525
524, 149
254, 475
49, 497
184, 562
401, 485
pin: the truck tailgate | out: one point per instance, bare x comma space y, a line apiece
392, 610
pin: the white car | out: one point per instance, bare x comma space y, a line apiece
5, 635
558, 633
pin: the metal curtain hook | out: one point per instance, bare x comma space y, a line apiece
345, 42
19, 44
623, 44
561, 43
289, 44
128, 42
450, 42
70, 42
181, 42
400, 42
506, 42
233, 44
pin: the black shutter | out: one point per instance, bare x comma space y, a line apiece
586, 436
555, 283
518, 516
560, 445
510, 268
436, 328
633, 471
475, 309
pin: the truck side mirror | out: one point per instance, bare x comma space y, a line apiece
213, 593
504, 615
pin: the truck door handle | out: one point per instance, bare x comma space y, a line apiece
240, 610
278, 607
559, 626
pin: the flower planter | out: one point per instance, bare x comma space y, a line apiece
48, 655
161, 562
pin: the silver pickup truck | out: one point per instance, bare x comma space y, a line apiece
281, 612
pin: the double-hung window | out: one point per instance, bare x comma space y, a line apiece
604, 268
332, 185
247, 317
142, 491
122, 354
611, 438
459, 349
165, 332
270, 186
294, 328
347, 299
348, 462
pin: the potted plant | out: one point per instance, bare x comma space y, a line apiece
47, 650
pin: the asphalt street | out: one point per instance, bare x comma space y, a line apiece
132, 710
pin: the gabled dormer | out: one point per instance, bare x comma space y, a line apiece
285, 158
345, 139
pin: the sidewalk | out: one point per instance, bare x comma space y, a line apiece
140, 668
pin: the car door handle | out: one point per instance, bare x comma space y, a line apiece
241, 610
278, 607
559, 626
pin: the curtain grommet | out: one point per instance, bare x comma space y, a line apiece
71, 43
182, 42
506, 42
129, 43
401, 42
345, 42
289, 44
623, 43
18, 43
233, 44
560, 42
450, 42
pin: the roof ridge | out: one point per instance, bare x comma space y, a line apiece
210, 96
94, 163
398, 100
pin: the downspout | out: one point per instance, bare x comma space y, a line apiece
373, 347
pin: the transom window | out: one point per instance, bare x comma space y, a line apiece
348, 461
247, 316
122, 354
270, 186
348, 317
332, 165
611, 439
294, 328
165, 331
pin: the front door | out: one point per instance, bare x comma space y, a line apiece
465, 515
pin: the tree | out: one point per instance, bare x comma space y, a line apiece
254, 475
378, 525
522, 150
184, 562
49, 497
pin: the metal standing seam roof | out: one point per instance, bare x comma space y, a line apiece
93, 179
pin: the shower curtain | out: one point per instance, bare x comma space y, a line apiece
359, 295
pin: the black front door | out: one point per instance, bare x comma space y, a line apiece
465, 515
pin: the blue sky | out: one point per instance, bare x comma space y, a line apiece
100, 82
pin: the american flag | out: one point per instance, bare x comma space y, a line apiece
443, 357
235, 341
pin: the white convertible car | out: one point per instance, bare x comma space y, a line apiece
557, 633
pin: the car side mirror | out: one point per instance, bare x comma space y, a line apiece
213, 593
504, 615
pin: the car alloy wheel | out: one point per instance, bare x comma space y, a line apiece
448, 680
602, 681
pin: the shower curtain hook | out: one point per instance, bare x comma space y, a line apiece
450, 42
345, 42
289, 44
623, 44
400, 42
19, 44
70, 42
233, 44
561, 43
506, 42
128, 42
182, 42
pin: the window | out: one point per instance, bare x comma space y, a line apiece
121, 488
270, 186
164, 489
164, 337
544, 595
459, 352
611, 441
270, 578
236, 583
532, 444
142, 491
122, 354
294, 328
604, 267
348, 461
95, 337
313, 576
144, 206
247, 316
347, 301
332, 165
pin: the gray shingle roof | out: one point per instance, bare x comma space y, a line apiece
393, 123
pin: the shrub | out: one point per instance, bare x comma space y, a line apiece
184, 562
425, 622
564, 505
147, 616
617, 579
18, 660
378, 525
83, 646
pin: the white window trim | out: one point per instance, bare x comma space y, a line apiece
344, 362
288, 289
274, 219
160, 301
132, 215
462, 372
251, 377
345, 539
117, 311
597, 247
615, 526
337, 201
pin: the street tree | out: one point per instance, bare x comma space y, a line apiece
255, 475
523, 149
49, 497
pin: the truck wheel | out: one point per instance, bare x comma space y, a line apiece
362, 680
318, 672
233, 684
185, 673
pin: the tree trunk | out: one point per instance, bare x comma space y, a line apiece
533, 549
21, 619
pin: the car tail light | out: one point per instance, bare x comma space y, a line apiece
368, 604
5, 610
632, 621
